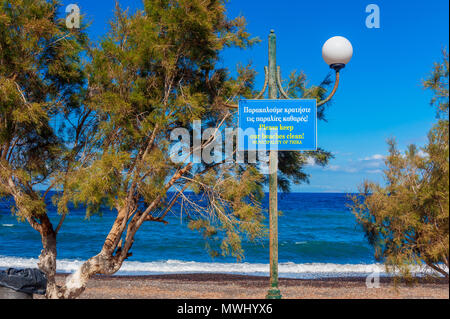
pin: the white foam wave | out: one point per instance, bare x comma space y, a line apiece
8, 225
287, 270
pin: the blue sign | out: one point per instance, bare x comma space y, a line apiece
282, 125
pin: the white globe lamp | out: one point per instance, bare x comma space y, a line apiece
337, 52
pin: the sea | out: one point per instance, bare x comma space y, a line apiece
318, 237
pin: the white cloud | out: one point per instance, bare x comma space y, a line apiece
310, 161
374, 157
375, 171
371, 164
333, 168
421, 153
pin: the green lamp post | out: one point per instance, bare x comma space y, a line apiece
337, 52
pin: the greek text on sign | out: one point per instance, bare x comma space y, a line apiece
283, 125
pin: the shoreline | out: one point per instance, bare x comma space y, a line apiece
224, 277
227, 286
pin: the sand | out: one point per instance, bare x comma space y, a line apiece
219, 286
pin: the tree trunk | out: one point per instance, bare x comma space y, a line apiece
76, 283
47, 258
105, 263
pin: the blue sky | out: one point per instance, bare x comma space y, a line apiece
380, 95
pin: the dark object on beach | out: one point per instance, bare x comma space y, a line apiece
22, 283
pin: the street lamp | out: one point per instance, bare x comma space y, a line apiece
337, 52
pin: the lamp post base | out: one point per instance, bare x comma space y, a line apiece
273, 293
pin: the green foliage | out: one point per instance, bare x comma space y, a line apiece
291, 164
438, 83
408, 220
156, 70
298, 88
41, 79
233, 202
97, 186
100, 132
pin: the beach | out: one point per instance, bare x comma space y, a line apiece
226, 286
317, 239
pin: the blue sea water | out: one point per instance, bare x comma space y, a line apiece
318, 235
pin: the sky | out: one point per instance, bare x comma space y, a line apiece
380, 95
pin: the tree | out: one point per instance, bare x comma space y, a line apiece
156, 70
407, 221
41, 84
